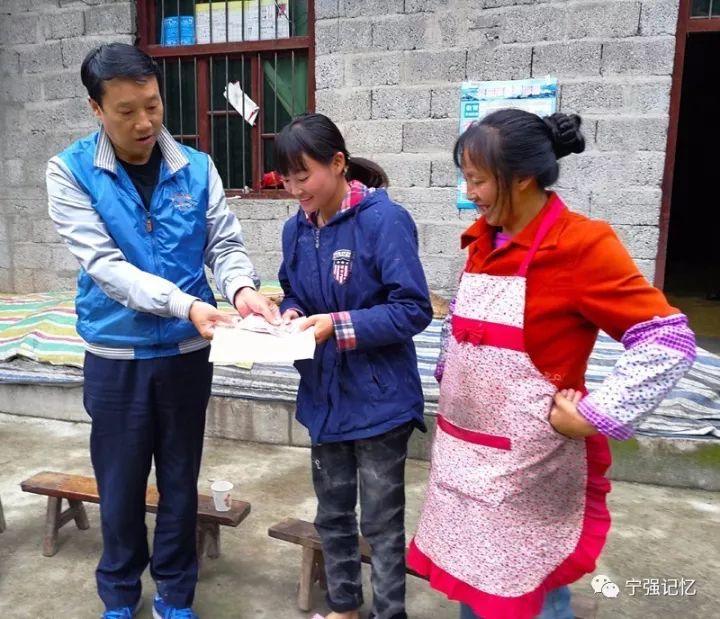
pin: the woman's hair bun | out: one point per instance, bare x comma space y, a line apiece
565, 133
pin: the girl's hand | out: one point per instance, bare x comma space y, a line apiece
205, 317
565, 418
290, 315
324, 327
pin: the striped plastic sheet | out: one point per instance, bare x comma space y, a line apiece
39, 345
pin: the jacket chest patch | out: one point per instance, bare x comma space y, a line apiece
183, 201
342, 265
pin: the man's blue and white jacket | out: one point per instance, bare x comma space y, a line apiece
135, 286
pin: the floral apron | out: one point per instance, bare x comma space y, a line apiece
513, 509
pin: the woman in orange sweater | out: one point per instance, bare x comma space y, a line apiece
516, 501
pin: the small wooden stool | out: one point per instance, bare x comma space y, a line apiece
312, 568
77, 489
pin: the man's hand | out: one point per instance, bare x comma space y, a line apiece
324, 327
205, 317
565, 418
248, 301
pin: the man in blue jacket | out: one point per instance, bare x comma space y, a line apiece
144, 215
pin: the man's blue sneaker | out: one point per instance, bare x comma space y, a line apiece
126, 612
162, 611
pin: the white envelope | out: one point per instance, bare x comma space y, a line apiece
255, 340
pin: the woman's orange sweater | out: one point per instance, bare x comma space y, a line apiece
582, 279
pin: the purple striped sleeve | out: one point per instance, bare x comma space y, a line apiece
657, 354
607, 425
672, 332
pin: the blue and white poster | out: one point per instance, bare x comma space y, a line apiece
477, 99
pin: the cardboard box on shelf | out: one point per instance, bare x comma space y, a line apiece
241, 20
227, 24
272, 16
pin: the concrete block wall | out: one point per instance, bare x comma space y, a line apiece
389, 73
43, 108
262, 223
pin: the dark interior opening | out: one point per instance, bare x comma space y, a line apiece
692, 278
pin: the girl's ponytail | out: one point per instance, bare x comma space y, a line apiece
367, 172
317, 137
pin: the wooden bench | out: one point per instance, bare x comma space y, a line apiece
79, 489
312, 568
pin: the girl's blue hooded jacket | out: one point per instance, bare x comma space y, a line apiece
365, 262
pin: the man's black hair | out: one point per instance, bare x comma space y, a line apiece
113, 60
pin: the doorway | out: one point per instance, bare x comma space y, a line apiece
692, 268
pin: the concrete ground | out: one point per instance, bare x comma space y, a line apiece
658, 533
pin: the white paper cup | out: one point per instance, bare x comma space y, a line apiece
221, 495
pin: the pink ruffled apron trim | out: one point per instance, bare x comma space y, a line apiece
596, 524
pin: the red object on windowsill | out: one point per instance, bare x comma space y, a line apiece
272, 180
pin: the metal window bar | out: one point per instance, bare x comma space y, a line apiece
256, 145
212, 109
242, 121
275, 76
227, 123
259, 27
210, 18
165, 101
271, 143
227, 22
195, 93
180, 94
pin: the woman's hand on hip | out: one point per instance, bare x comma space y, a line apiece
565, 417
324, 327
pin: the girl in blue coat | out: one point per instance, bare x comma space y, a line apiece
351, 265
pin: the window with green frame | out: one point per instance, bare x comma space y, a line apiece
200, 57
